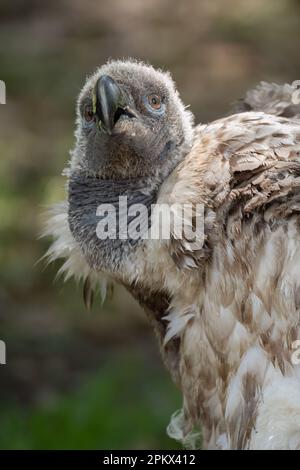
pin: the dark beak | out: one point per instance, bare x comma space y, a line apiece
109, 102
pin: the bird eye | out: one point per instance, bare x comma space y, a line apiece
154, 101
88, 113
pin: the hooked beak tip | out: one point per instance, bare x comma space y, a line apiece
108, 97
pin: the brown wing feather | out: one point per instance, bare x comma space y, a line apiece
247, 161
270, 98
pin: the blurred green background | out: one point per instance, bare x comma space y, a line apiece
95, 380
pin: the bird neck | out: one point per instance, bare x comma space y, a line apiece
108, 218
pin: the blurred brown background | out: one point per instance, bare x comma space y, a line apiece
94, 380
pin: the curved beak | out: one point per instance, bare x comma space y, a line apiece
108, 101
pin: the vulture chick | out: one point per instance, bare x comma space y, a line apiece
226, 310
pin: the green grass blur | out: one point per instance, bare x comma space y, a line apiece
118, 407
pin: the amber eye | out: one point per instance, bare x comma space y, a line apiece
154, 101
88, 113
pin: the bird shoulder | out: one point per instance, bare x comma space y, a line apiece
244, 163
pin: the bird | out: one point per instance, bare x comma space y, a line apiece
226, 311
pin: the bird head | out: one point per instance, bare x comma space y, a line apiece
132, 131
130, 123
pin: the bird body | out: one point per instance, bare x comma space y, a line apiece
226, 312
